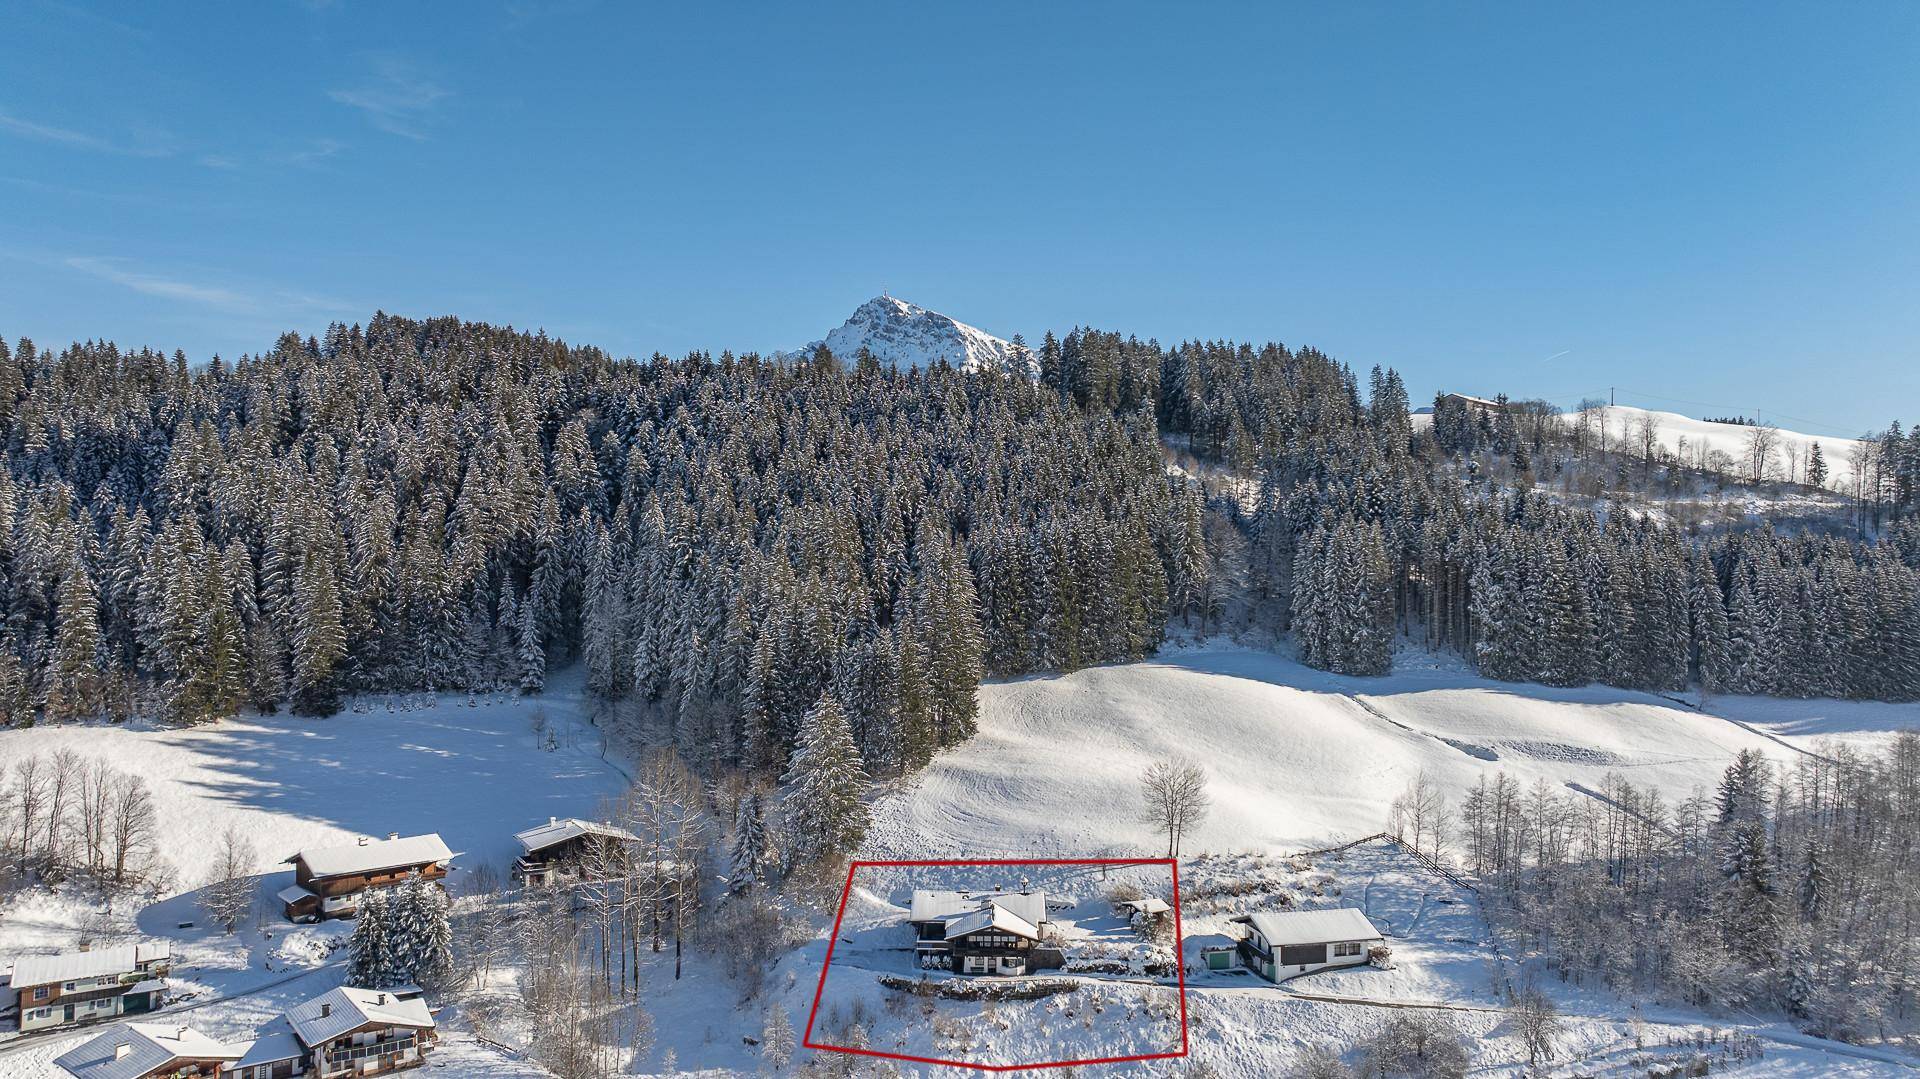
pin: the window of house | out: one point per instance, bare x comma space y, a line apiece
41, 992
68, 987
1351, 947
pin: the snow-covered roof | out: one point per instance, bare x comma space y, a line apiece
338, 1011
293, 893
1152, 904
147, 985
560, 830
992, 916
373, 855
273, 1043
70, 966
149, 1046
933, 906
1312, 926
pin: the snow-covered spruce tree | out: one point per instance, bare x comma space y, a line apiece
424, 933
373, 952
751, 849
825, 815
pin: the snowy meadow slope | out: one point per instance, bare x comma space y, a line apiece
1300, 758
472, 769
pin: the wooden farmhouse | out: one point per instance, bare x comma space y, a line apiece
982, 932
327, 881
149, 1051
557, 851
89, 986
1290, 943
360, 1032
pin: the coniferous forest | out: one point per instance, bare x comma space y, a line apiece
725, 541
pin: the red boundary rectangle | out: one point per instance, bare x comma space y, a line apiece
1179, 964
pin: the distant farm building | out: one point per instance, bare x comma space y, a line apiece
991, 932
565, 849
89, 986
1289, 943
327, 881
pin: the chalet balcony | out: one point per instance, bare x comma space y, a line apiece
387, 1053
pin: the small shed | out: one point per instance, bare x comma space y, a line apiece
1286, 944
1150, 907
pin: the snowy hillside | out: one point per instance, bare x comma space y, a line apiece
1720, 447
905, 335
472, 769
1298, 757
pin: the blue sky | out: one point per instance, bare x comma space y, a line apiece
1714, 204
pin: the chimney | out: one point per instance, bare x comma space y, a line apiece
180, 1033
326, 1009
381, 1000
393, 835
121, 1049
553, 820
86, 944
363, 841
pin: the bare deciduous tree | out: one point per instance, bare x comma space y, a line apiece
1175, 799
1538, 1022
230, 887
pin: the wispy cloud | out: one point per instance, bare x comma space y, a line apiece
80, 140
116, 271
314, 152
394, 97
275, 302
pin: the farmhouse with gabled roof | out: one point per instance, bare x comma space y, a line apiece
89, 986
327, 881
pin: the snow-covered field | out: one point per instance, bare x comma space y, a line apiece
1694, 440
471, 769
1299, 758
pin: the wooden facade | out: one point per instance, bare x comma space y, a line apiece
327, 883
89, 987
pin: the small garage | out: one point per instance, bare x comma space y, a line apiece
1287, 944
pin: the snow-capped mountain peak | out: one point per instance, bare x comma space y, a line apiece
906, 335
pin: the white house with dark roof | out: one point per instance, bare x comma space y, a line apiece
986, 932
327, 881
148, 1051
89, 986
1285, 944
350, 1031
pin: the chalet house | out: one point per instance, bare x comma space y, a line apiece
327, 881
991, 932
556, 850
1291, 943
360, 1032
148, 1051
83, 987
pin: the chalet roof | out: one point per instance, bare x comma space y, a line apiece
992, 916
1312, 926
274, 1043
560, 830
149, 1046
338, 1011
373, 855
293, 893
934, 906
69, 966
